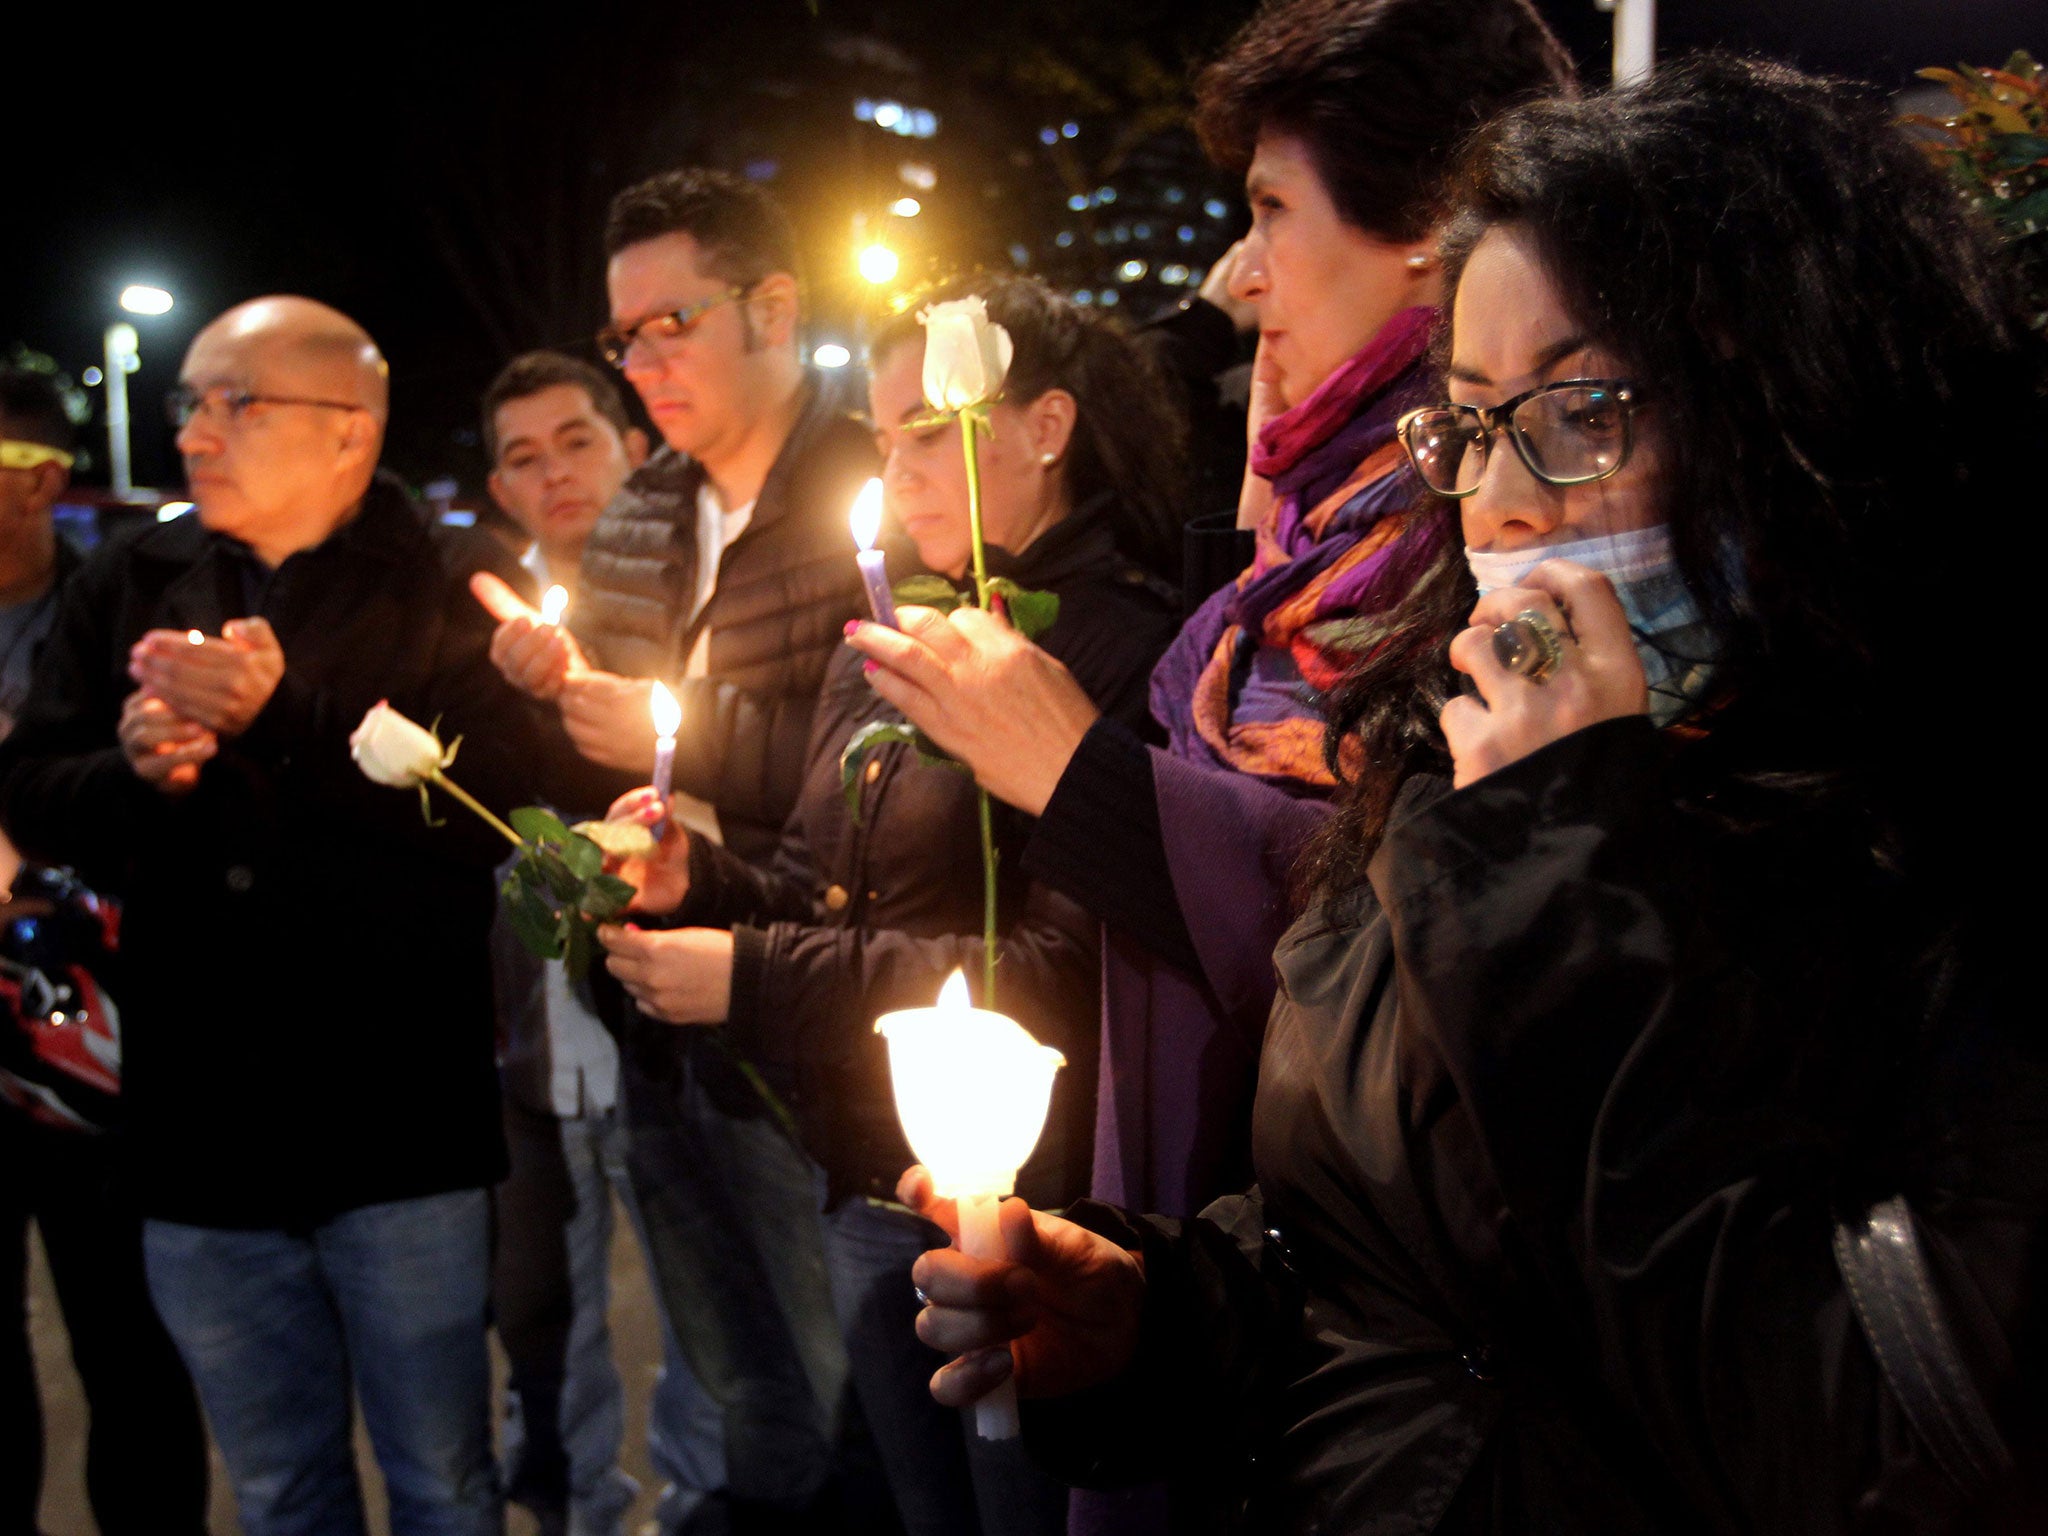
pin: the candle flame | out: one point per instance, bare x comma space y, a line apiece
953, 995
668, 714
866, 518
193, 637
554, 605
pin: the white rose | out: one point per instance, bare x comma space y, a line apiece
966, 354
391, 749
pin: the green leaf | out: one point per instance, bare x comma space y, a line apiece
583, 857
928, 592
561, 879
873, 736
537, 824
1031, 613
605, 897
579, 945
533, 922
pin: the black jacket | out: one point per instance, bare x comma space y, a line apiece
786, 588
849, 922
1554, 1123
307, 1026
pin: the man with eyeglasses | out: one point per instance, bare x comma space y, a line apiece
309, 1079
146, 1455
724, 569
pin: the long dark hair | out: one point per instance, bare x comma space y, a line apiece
1844, 397
1129, 439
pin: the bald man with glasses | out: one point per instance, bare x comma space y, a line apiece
308, 1030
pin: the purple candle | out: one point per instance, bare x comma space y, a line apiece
866, 522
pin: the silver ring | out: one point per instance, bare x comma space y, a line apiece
922, 1299
1528, 645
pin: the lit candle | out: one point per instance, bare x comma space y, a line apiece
866, 522
553, 604
668, 718
972, 1090
193, 637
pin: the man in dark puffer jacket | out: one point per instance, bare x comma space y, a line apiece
724, 569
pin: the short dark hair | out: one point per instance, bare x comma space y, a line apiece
32, 410
742, 231
1381, 91
532, 372
1129, 441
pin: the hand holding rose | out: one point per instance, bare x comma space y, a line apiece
1007, 709
660, 879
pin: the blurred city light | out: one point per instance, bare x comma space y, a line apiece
171, 511
1078, 201
915, 173
1070, 130
1131, 271
906, 207
141, 299
831, 355
1215, 207
888, 114
878, 264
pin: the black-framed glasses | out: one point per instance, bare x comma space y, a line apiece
674, 325
185, 402
1572, 432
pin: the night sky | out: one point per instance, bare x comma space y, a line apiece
440, 170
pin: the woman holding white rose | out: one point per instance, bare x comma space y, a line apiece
860, 915
1342, 115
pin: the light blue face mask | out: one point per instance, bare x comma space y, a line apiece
1672, 639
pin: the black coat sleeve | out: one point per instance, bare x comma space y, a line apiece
1222, 1309
743, 752
1681, 1059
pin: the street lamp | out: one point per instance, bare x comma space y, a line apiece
878, 264
123, 357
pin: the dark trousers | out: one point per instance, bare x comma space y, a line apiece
730, 1203
145, 1453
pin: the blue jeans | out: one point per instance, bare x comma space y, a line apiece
729, 1203
565, 1405
276, 1327
947, 1480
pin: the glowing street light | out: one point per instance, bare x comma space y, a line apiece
123, 356
831, 354
906, 207
878, 264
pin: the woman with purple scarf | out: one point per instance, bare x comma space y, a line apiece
1343, 115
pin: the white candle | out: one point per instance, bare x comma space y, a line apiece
972, 1090
553, 604
866, 522
668, 718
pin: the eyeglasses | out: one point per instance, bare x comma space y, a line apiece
1569, 433
15, 454
184, 402
615, 341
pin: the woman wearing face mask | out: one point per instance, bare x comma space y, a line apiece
859, 916
1648, 1139
1343, 116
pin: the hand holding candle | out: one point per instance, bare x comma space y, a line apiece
866, 522
972, 1090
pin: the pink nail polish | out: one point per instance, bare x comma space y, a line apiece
870, 667
851, 626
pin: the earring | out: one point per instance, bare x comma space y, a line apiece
1420, 262
1048, 459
